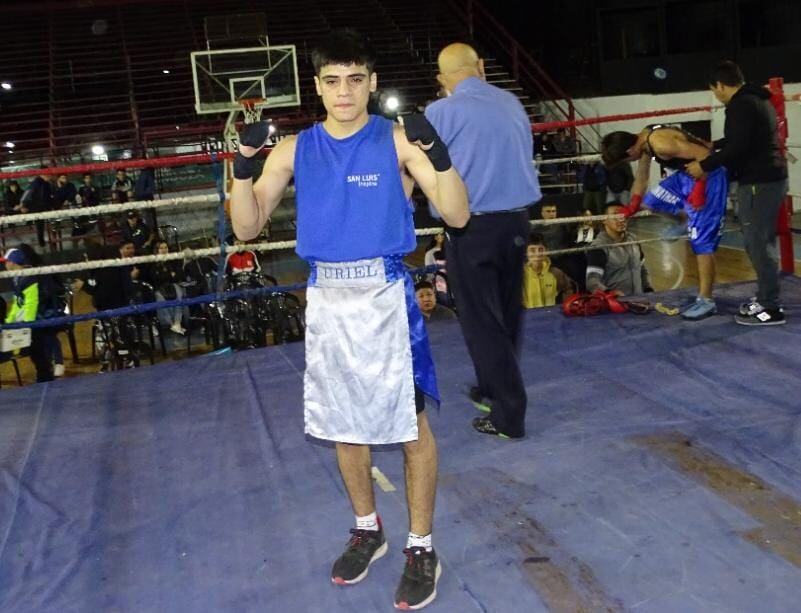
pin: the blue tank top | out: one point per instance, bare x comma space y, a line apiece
350, 199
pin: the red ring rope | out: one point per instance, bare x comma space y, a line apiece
554, 125
161, 162
206, 158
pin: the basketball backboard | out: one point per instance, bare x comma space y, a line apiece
223, 77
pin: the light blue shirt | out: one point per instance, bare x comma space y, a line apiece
488, 135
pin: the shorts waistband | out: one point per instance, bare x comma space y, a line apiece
517, 210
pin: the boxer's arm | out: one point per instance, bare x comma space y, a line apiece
640, 185
252, 205
443, 187
642, 176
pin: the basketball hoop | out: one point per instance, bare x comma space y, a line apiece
251, 108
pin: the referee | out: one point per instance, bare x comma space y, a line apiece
489, 138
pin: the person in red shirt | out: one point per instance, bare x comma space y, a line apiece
241, 261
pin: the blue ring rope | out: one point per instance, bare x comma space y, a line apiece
138, 309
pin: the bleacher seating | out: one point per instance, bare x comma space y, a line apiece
77, 83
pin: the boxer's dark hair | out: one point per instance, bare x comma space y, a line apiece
615, 146
423, 285
343, 46
727, 73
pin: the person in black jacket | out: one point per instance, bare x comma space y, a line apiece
750, 150
37, 199
12, 198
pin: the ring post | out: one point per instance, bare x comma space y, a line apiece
784, 220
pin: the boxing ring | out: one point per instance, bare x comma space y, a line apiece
661, 473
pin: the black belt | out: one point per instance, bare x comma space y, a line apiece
517, 210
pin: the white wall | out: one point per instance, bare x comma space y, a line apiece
615, 105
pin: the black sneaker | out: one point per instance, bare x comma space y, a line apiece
752, 306
418, 584
479, 400
762, 317
364, 548
485, 426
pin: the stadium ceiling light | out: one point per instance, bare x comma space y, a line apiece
98, 150
5, 85
392, 103
166, 71
10, 145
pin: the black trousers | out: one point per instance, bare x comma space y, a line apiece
759, 205
485, 271
40, 231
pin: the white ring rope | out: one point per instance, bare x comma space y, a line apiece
641, 241
103, 209
188, 253
109, 208
581, 159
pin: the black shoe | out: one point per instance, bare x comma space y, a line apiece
752, 306
485, 426
364, 548
479, 400
762, 317
418, 584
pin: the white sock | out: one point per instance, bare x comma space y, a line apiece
415, 540
368, 522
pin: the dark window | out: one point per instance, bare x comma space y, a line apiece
630, 33
695, 26
701, 129
769, 24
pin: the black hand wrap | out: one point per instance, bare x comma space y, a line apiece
418, 128
252, 135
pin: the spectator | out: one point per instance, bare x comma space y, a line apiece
24, 307
543, 284
440, 280
620, 269
593, 181
437, 243
241, 261
750, 151
12, 198
556, 236
585, 233
112, 288
545, 149
563, 144
619, 179
488, 134
166, 277
88, 194
37, 199
427, 301
122, 188
137, 232
145, 187
197, 273
65, 195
